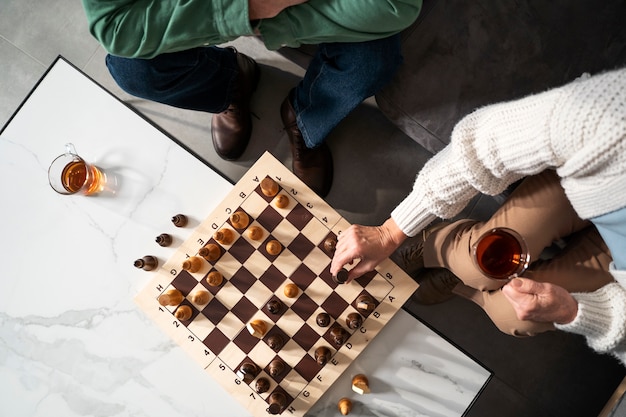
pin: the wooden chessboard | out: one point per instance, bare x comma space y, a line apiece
215, 334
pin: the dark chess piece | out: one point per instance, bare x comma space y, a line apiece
147, 263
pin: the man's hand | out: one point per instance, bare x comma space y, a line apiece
369, 244
539, 301
265, 9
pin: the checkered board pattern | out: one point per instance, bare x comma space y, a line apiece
216, 335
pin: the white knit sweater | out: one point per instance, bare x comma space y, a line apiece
579, 130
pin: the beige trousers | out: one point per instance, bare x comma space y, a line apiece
541, 213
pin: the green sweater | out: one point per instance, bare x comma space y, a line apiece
146, 28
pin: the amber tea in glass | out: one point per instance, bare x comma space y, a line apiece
70, 174
501, 253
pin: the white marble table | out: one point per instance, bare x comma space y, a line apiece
73, 343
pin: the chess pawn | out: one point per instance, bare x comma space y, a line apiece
262, 385
275, 342
179, 220
365, 304
239, 220
192, 264
247, 372
255, 232
276, 367
274, 306
224, 236
214, 279
277, 402
354, 321
345, 406
147, 263
322, 355
273, 247
183, 313
322, 319
339, 335
164, 239
211, 252
200, 297
171, 297
330, 243
281, 201
291, 290
269, 187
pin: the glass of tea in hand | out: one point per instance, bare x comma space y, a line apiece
70, 174
501, 253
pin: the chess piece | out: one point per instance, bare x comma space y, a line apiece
211, 252
255, 232
339, 335
269, 187
200, 297
323, 319
330, 243
257, 328
281, 201
214, 279
360, 384
275, 342
345, 406
277, 402
365, 304
322, 355
164, 239
171, 297
147, 263
192, 264
179, 220
354, 321
273, 247
341, 277
247, 372
239, 220
224, 236
275, 306
262, 385
291, 290
183, 313
276, 367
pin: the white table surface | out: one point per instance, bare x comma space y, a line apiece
72, 341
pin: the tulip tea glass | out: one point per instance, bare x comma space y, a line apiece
501, 253
70, 174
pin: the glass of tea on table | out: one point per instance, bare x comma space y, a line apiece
501, 253
70, 174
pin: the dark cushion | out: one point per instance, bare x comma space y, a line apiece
460, 55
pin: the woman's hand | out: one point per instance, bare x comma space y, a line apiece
540, 301
368, 244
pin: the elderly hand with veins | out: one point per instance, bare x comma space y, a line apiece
540, 301
370, 245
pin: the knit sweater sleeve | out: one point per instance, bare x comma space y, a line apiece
577, 129
601, 319
489, 149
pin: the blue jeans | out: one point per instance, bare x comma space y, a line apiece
338, 79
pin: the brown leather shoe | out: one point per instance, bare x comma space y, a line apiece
231, 129
436, 285
313, 166
410, 256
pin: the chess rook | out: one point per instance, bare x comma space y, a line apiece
269, 187
171, 297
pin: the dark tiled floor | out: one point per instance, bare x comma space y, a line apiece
552, 375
